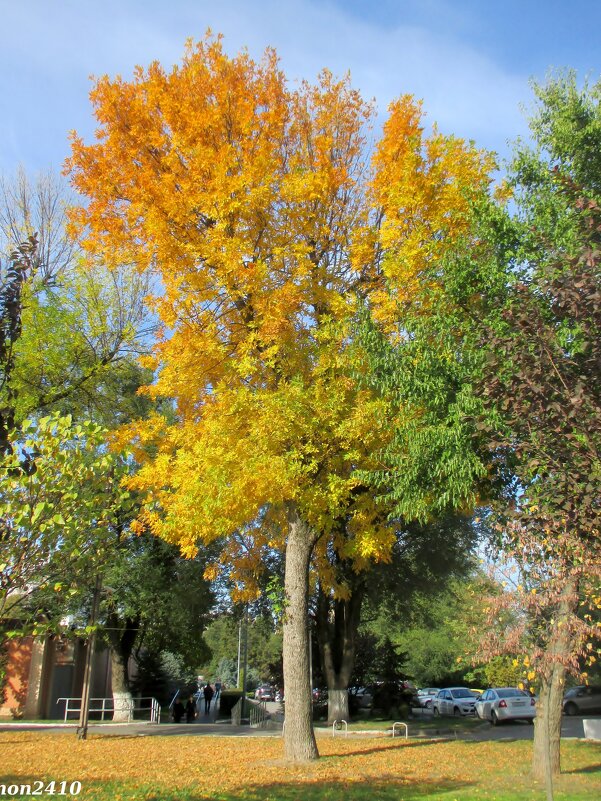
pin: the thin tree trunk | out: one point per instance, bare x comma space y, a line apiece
547, 731
546, 762
299, 738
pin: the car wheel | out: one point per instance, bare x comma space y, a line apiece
436, 712
457, 712
493, 718
428, 704
570, 708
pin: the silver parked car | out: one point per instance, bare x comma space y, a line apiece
454, 701
505, 703
584, 698
426, 695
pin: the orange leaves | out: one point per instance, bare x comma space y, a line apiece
183, 158
238, 191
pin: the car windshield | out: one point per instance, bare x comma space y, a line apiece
510, 693
461, 693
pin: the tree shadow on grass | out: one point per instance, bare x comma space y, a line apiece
374, 749
588, 769
392, 790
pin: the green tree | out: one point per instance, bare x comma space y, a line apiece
69, 333
150, 610
224, 638
435, 626
499, 357
59, 509
542, 400
423, 556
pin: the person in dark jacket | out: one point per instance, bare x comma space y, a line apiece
177, 711
208, 694
190, 709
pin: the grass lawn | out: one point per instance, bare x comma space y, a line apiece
415, 724
195, 768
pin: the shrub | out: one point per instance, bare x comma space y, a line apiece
229, 698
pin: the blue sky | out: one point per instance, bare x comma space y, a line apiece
470, 60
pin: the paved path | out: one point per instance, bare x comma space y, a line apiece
206, 725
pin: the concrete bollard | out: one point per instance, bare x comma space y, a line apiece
592, 728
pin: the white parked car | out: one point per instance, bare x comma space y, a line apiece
454, 701
505, 703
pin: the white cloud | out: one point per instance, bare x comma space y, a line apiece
55, 46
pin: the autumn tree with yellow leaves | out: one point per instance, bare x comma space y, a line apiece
265, 217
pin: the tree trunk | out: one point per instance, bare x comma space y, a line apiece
299, 738
547, 728
546, 757
338, 708
337, 624
122, 698
122, 637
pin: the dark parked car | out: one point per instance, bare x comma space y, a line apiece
265, 692
364, 696
584, 698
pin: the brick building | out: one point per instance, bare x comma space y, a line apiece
40, 670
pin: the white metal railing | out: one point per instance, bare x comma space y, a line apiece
106, 707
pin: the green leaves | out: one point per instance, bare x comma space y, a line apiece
60, 516
433, 463
37, 512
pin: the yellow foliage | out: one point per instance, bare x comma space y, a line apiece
259, 210
423, 188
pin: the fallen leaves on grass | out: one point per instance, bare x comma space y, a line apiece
253, 767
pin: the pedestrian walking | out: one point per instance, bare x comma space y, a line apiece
208, 694
190, 709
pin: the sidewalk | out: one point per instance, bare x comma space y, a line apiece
205, 725
210, 729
